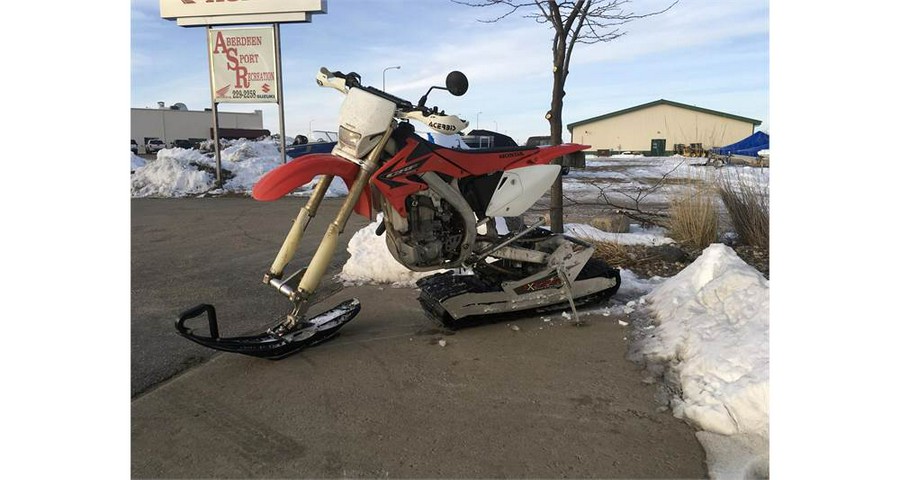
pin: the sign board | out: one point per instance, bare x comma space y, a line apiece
301, 17
243, 66
217, 12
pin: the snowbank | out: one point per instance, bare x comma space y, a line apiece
371, 261
170, 176
714, 331
179, 172
713, 337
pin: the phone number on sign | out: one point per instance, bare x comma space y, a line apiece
243, 94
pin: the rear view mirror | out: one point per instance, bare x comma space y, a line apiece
457, 83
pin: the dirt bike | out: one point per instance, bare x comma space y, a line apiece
439, 212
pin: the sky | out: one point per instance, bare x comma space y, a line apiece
708, 325
713, 55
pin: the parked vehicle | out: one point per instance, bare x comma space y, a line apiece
323, 142
154, 145
134, 147
439, 209
186, 144
538, 141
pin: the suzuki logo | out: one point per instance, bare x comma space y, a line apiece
265, 88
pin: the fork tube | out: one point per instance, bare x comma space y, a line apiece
289, 247
310, 281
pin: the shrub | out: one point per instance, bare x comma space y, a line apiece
694, 219
747, 203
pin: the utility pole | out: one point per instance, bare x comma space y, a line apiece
385, 71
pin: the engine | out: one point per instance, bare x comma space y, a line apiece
433, 233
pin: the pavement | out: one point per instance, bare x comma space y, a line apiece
394, 395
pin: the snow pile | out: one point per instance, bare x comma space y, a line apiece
179, 172
714, 330
248, 161
587, 232
170, 176
371, 261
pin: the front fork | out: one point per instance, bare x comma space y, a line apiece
313, 273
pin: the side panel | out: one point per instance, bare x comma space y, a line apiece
398, 177
519, 188
300, 171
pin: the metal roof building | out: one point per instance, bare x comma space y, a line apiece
169, 124
656, 127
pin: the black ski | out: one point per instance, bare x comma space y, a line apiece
270, 345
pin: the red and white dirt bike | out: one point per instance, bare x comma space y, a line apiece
439, 208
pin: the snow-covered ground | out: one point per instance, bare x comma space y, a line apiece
623, 177
703, 333
178, 172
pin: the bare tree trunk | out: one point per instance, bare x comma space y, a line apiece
555, 119
554, 116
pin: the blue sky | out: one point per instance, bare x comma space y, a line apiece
710, 54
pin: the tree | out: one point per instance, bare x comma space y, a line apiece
573, 22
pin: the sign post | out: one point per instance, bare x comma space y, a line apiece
280, 90
244, 63
215, 113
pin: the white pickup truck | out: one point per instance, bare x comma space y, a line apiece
154, 145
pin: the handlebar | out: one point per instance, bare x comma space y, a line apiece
346, 81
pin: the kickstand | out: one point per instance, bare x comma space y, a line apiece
567, 286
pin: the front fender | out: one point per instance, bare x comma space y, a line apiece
300, 171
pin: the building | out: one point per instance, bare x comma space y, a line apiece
178, 123
661, 127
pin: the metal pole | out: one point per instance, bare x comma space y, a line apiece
280, 90
215, 110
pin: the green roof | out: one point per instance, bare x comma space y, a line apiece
664, 102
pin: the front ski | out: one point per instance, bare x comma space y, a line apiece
270, 345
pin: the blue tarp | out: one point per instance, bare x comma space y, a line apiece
749, 146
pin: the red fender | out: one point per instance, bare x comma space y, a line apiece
300, 171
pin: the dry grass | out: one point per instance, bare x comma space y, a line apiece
643, 260
747, 203
694, 219
614, 254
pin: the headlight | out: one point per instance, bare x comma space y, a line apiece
348, 138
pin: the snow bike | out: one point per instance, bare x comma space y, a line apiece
439, 212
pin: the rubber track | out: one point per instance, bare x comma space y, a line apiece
437, 288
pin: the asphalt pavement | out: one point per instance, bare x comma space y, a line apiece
394, 395
210, 250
